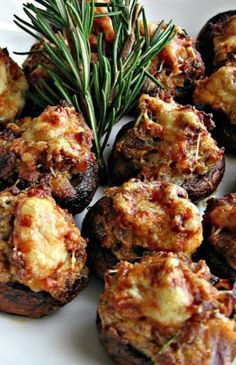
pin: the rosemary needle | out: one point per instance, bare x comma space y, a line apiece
109, 88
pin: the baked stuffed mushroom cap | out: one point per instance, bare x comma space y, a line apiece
54, 148
219, 248
169, 142
216, 41
139, 218
218, 91
13, 87
177, 66
42, 254
164, 310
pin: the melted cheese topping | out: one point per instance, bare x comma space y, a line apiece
61, 129
225, 40
40, 245
161, 298
219, 91
150, 215
169, 142
178, 62
13, 86
58, 140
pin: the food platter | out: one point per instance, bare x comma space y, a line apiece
69, 336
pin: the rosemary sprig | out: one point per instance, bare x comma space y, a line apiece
108, 89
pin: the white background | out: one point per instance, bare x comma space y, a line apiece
69, 336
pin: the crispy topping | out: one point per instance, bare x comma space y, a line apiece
169, 142
178, 63
167, 297
40, 245
55, 146
219, 91
148, 216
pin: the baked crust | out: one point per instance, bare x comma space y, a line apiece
162, 145
138, 324
42, 254
177, 66
53, 149
139, 218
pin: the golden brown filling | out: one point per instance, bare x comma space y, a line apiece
152, 216
13, 86
219, 91
166, 308
178, 62
40, 245
169, 142
225, 40
57, 144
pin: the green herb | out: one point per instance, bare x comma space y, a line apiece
166, 345
104, 91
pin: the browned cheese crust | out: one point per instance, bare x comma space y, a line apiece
220, 235
54, 148
13, 87
169, 142
140, 218
42, 254
178, 65
219, 91
164, 310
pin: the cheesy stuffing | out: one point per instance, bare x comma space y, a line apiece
166, 298
151, 216
40, 245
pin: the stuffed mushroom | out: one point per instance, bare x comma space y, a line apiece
42, 254
164, 310
177, 66
139, 218
54, 149
169, 142
216, 41
13, 87
217, 93
219, 249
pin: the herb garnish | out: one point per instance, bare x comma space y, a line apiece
106, 90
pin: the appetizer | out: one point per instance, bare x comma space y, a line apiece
177, 66
13, 87
164, 310
54, 148
42, 254
217, 93
139, 218
219, 249
169, 142
216, 40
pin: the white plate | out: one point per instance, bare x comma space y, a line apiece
69, 336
